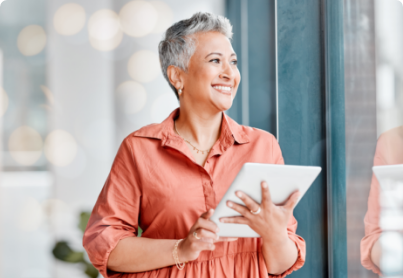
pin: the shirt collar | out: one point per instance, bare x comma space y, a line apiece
230, 131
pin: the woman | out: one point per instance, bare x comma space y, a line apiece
168, 177
389, 151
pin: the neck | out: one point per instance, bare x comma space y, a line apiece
200, 128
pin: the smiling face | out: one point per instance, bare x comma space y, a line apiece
212, 79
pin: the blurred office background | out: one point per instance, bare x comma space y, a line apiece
77, 77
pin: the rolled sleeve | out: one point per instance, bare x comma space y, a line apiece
115, 214
299, 243
372, 229
292, 225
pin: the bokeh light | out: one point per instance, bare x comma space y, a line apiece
31, 40
25, 145
69, 19
75, 168
132, 97
3, 101
57, 213
30, 216
60, 147
144, 66
163, 106
138, 18
104, 30
165, 16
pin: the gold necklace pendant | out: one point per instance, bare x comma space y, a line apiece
194, 148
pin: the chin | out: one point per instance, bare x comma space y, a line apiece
224, 105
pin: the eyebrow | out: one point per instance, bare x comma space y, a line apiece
219, 54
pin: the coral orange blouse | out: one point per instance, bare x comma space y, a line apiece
389, 151
156, 184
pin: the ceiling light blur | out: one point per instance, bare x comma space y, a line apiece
165, 16
31, 40
69, 19
60, 147
25, 145
144, 66
132, 97
104, 30
138, 18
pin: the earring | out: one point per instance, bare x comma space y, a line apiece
180, 91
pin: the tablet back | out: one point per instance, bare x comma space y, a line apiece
282, 180
389, 174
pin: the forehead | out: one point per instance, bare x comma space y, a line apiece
212, 42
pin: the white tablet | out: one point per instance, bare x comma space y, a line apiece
282, 180
388, 173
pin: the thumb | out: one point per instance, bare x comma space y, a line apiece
207, 214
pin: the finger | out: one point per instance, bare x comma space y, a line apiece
202, 245
248, 201
235, 220
292, 200
202, 223
207, 214
266, 197
239, 208
205, 234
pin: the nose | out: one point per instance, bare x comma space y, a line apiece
227, 71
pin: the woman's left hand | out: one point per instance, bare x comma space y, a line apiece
271, 222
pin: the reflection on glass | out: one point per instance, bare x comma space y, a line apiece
385, 209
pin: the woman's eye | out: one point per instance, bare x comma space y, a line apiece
215, 61
235, 62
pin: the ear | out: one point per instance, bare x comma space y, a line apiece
175, 76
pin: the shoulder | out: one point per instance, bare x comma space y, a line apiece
147, 134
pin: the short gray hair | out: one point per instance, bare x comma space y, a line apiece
178, 46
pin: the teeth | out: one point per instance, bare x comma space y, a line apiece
222, 88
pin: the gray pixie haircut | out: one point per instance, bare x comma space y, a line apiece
179, 45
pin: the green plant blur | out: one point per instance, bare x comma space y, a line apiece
63, 252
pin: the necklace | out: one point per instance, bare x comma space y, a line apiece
194, 148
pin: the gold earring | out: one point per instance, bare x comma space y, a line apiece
180, 91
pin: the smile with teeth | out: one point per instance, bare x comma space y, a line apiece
222, 88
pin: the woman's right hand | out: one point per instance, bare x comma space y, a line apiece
189, 248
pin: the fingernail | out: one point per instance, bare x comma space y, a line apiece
239, 194
230, 204
264, 184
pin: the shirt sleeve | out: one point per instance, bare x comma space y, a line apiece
292, 225
116, 212
371, 221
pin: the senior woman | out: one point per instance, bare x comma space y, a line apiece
167, 178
